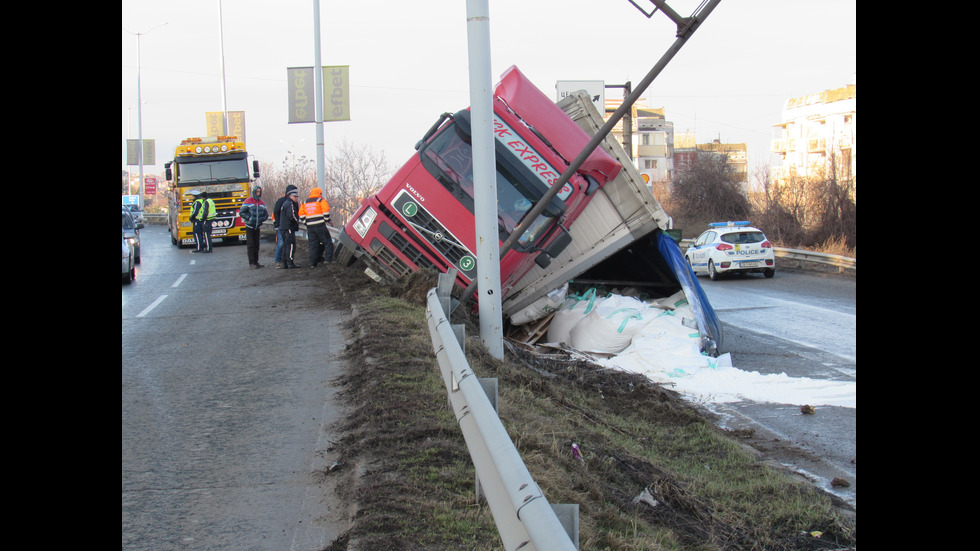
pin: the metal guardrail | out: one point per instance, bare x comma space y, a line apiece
843, 263
524, 518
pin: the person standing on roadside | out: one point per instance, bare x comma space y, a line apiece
205, 214
253, 213
288, 226
315, 213
197, 227
275, 220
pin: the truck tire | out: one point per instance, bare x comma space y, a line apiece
342, 255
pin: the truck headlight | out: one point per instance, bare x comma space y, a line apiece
362, 224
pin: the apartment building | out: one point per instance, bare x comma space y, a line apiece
652, 139
657, 150
817, 129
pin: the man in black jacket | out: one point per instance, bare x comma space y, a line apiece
275, 222
288, 226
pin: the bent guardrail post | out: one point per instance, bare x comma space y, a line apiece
524, 518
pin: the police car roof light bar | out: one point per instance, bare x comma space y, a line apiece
729, 223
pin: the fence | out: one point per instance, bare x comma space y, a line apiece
524, 518
796, 258
807, 259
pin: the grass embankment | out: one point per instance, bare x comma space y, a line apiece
405, 467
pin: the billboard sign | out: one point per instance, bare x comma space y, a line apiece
301, 92
595, 88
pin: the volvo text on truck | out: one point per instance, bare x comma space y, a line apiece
219, 166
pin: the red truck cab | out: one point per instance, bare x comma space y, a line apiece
423, 217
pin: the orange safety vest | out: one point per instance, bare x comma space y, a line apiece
316, 209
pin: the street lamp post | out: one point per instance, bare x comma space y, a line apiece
139, 108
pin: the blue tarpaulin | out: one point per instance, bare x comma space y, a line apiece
707, 320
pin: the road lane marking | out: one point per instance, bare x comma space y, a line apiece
179, 279
152, 306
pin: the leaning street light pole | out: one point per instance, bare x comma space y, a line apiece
685, 28
139, 108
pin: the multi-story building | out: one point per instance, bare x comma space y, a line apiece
657, 150
686, 151
818, 129
652, 139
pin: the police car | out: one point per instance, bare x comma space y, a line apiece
731, 247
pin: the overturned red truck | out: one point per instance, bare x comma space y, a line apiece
423, 217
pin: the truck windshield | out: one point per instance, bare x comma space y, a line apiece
193, 171
448, 158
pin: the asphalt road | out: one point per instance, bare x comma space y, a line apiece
802, 324
226, 403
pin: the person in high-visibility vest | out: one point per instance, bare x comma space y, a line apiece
203, 214
315, 213
197, 228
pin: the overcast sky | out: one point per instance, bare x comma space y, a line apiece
408, 64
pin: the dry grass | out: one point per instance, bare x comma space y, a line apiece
407, 473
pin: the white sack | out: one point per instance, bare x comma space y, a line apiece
610, 327
541, 307
571, 312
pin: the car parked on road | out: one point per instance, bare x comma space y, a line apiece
731, 247
131, 232
135, 211
128, 261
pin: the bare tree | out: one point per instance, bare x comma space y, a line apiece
769, 209
300, 172
352, 174
709, 189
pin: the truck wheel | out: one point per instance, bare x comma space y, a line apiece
342, 255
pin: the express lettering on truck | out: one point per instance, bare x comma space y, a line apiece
529, 157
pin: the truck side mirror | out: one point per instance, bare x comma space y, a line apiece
543, 260
560, 242
255, 169
170, 175
554, 249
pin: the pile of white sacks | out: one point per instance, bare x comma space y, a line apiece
660, 339
663, 330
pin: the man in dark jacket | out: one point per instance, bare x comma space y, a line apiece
253, 213
288, 226
275, 214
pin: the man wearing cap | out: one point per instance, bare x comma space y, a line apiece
203, 213
275, 221
315, 213
288, 226
197, 227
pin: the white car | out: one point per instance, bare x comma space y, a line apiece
131, 231
128, 260
731, 247
135, 212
